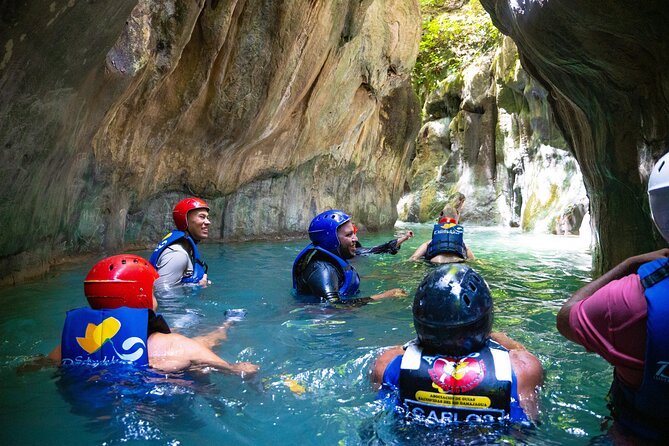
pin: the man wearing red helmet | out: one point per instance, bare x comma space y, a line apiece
121, 326
176, 257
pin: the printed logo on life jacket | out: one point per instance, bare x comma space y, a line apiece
661, 369
449, 228
98, 335
163, 242
459, 375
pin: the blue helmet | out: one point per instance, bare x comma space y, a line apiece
323, 229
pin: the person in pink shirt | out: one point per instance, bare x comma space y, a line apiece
622, 316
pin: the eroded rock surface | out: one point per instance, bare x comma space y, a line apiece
270, 110
606, 70
491, 136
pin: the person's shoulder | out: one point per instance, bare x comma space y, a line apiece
526, 366
626, 292
322, 259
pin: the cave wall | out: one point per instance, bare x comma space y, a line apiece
606, 72
270, 110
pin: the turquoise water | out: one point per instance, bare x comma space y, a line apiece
328, 353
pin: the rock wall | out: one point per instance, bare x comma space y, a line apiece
490, 135
607, 77
270, 110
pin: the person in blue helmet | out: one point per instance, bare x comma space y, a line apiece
623, 317
176, 257
457, 370
322, 268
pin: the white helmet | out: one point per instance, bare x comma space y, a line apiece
658, 195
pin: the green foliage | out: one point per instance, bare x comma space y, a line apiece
453, 36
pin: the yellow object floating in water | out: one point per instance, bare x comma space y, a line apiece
294, 386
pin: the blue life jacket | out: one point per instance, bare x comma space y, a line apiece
478, 388
104, 337
644, 412
447, 239
351, 278
199, 266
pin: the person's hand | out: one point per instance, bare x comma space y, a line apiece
404, 238
398, 292
245, 369
204, 281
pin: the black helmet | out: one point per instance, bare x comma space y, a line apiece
452, 310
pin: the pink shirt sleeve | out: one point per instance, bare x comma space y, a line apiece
612, 323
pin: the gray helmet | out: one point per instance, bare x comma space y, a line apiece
452, 310
658, 195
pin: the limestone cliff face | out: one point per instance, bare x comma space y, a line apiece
270, 110
606, 71
491, 136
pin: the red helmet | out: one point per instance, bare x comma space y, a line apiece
181, 210
120, 281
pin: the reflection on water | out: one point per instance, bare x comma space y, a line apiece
313, 385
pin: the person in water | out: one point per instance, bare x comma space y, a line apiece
176, 257
447, 244
322, 268
121, 325
456, 370
622, 316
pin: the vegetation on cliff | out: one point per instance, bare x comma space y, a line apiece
455, 32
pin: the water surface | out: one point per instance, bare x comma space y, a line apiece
313, 386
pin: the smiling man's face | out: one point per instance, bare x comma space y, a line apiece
198, 224
347, 239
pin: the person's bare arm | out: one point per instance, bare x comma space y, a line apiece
528, 370
40, 361
55, 354
404, 238
173, 352
506, 342
530, 376
395, 292
470, 254
420, 252
626, 267
382, 362
215, 337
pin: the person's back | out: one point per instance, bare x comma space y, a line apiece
447, 244
457, 370
121, 326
